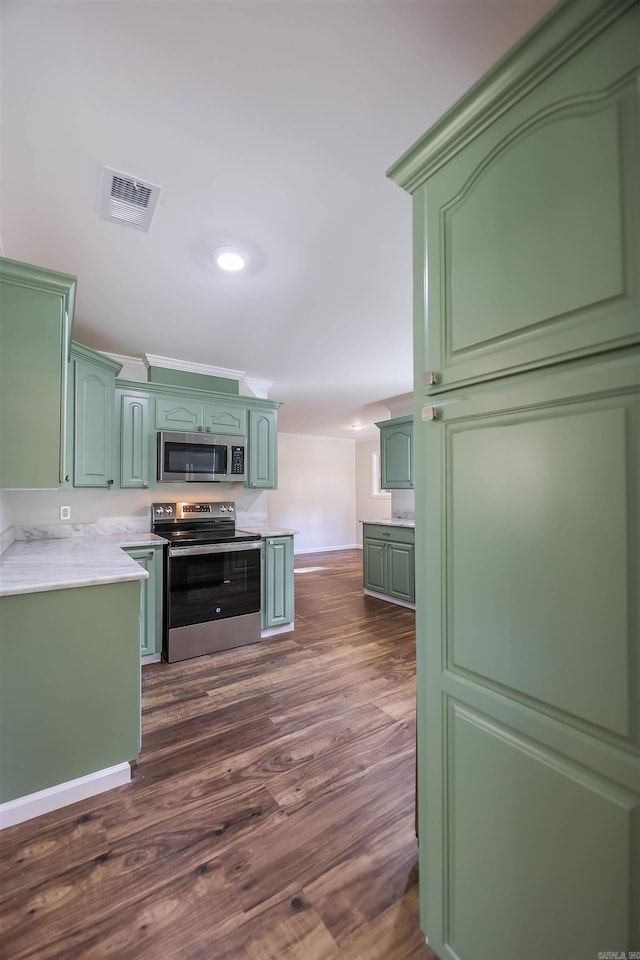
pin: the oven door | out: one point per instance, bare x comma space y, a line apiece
212, 582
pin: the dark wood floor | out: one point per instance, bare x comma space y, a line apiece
271, 814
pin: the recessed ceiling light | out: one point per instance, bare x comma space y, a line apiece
230, 259
357, 426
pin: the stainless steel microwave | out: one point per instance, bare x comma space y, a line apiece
201, 458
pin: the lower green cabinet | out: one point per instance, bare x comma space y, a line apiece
277, 588
389, 562
150, 599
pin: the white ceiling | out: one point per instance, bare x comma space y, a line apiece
268, 124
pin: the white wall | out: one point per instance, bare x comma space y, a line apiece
27, 508
316, 492
368, 507
5, 515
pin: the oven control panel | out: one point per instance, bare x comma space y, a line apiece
192, 511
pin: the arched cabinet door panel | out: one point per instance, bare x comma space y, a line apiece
532, 230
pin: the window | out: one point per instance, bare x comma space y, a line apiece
375, 478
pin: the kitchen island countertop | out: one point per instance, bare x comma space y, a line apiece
38, 565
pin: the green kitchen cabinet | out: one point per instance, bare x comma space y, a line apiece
179, 413
151, 559
225, 419
389, 562
263, 449
396, 453
531, 226
526, 207
94, 434
69, 685
277, 581
36, 316
137, 442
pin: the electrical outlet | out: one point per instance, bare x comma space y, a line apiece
65, 513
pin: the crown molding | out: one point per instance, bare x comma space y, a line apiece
190, 367
561, 33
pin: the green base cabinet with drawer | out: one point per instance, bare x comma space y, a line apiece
396, 453
36, 315
388, 562
151, 558
277, 582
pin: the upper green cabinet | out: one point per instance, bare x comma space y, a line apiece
36, 314
532, 228
263, 449
396, 453
93, 414
194, 415
136, 453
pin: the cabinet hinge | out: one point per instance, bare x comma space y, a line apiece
429, 378
429, 413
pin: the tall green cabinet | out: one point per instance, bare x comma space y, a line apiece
526, 200
36, 316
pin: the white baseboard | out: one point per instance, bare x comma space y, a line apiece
150, 658
273, 631
344, 546
44, 801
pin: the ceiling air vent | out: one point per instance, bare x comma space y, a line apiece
127, 200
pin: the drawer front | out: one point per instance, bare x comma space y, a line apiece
379, 531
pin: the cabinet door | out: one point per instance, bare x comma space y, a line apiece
181, 415
529, 664
225, 419
533, 229
150, 599
93, 426
396, 456
400, 571
374, 567
34, 338
278, 594
134, 441
263, 450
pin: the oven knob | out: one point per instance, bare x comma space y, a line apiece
168, 510
159, 510
223, 509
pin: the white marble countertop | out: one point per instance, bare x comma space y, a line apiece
266, 531
392, 522
34, 566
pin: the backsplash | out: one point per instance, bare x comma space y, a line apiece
403, 504
104, 526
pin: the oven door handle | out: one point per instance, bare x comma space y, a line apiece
205, 548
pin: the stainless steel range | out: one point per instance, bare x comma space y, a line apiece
212, 579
